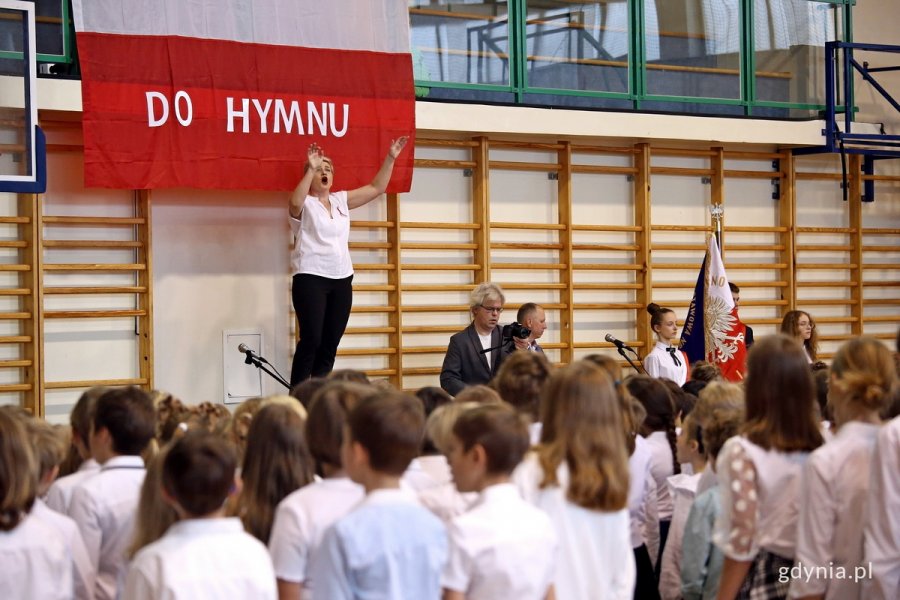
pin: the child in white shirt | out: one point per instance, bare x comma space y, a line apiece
34, 559
682, 488
104, 505
59, 496
578, 475
759, 472
204, 554
666, 360
835, 485
303, 516
882, 537
500, 533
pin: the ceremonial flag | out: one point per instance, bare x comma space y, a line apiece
712, 330
229, 94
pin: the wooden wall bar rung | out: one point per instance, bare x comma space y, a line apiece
15, 364
373, 267
97, 221
15, 387
430, 328
15, 316
508, 165
425, 349
12, 268
681, 171
528, 266
827, 301
599, 344
823, 230
533, 286
104, 244
881, 231
372, 287
437, 225
436, 287
525, 145
606, 267
439, 246
880, 248
15, 339
881, 266
825, 284
739, 174
881, 284
524, 246
95, 268
421, 370
370, 224
609, 286
731, 266
369, 245
825, 266
881, 302
88, 383
681, 228
542, 226
15, 220
373, 309
369, 330
749, 229
823, 247
878, 319
438, 143
608, 228
438, 267
365, 351
749, 155
608, 306
603, 170
426, 163
13, 244
93, 314
380, 372
607, 247
123, 289
831, 319
435, 308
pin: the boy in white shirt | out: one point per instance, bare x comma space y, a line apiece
104, 505
204, 554
59, 496
389, 546
491, 542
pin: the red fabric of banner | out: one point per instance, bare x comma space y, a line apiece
167, 111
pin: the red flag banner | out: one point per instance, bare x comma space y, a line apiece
229, 95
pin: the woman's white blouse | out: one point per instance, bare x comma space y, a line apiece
322, 240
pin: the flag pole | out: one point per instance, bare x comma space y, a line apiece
716, 211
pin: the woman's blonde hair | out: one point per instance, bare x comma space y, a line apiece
154, 516
277, 462
865, 373
583, 428
439, 425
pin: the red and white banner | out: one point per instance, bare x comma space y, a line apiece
229, 94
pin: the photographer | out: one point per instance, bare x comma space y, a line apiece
466, 362
532, 316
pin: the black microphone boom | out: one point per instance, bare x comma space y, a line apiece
618, 343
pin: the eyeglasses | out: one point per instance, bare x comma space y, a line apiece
492, 309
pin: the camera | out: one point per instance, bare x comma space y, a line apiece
515, 330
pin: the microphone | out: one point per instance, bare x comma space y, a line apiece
251, 355
618, 343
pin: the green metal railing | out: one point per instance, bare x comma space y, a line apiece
745, 89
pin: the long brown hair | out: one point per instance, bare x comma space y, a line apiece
154, 516
276, 462
18, 472
780, 396
583, 426
657, 400
790, 327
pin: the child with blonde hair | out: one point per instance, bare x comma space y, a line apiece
578, 475
835, 484
34, 559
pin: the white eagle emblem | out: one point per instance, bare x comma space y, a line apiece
719, 323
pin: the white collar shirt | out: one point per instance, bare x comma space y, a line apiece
659, 363
491, 542
594, 560
642, 499
59, 496
882, 533
202, 558
682, 487
321, 240
426, 472
661, 467
300, 522
833, 495
83, 571
104, 507
34, 563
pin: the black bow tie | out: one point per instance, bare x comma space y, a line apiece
673, 353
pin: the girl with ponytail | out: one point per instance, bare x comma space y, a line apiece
665, 360
835, 484
658, 431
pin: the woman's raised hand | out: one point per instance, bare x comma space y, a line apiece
397, 146
314, 156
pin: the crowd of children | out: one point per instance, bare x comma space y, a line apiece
568, 483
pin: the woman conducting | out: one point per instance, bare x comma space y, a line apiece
321, 289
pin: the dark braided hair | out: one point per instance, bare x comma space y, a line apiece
657, 401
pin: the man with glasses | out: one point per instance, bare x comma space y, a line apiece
466, 362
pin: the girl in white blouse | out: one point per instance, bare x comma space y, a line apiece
801, 326
835, 485
578, 475
759, 472
665, 360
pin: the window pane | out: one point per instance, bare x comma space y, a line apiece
460, 42
578, 46
789, 39
693, 48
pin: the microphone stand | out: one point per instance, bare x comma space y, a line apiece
257, 361
630, 362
